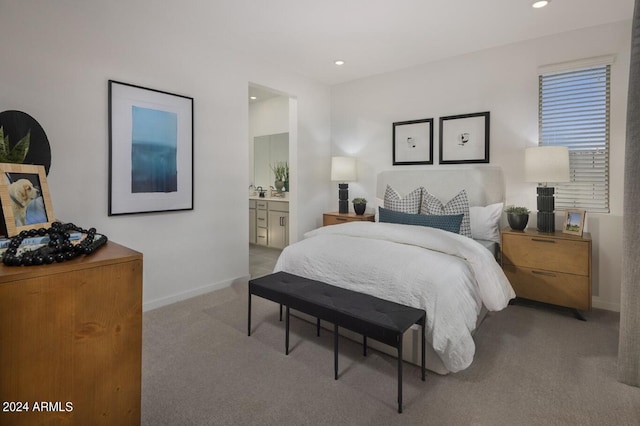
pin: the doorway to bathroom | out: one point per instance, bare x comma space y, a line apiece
272, 139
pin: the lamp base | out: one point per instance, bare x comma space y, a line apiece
546, 200
546, 205
343, 198
546, 222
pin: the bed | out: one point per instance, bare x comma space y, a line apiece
455, 278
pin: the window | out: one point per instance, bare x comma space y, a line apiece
574, 112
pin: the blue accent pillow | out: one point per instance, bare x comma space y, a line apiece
448, 222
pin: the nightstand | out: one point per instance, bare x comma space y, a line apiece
335, 218
551, 267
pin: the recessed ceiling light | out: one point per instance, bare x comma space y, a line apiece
339, 62
540, 3
253, 98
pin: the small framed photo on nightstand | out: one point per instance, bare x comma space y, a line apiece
573, 222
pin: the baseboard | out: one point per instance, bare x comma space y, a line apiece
598, 303
178, 297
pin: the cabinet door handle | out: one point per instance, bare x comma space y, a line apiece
547, 274
281, 220
341, 219
261, 218
540, 240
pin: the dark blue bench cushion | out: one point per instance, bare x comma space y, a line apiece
377, 318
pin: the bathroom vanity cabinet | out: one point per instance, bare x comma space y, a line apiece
269, 222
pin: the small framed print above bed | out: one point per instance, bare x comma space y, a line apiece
413, 142
464, 138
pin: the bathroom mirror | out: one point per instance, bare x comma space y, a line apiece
268, 150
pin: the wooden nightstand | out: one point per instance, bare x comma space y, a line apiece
335, 218
549, 267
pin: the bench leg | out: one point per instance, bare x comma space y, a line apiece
286, 339
423, 350
364, 345
249, 317
281, 312
400, 375
335, 352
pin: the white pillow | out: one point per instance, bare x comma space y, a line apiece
379, 203
485, 222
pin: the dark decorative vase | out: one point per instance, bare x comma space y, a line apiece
359, 208
517, 222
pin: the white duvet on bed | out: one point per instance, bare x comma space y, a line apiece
448, 275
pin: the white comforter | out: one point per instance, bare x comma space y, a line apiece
448, 275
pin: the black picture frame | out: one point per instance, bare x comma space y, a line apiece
413, 142
464, 138
150, 150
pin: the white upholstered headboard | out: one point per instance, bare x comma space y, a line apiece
484, 185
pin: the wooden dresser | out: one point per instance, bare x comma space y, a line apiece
335, 218
71, 340
549, 267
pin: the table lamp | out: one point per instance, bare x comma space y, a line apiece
343, 170
543, 164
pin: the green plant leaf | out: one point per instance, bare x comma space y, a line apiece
517, 210
4, 146
19, 152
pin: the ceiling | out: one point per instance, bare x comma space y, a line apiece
378, 36
307, 36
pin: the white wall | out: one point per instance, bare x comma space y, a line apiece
56, 68
503, 81
269, 117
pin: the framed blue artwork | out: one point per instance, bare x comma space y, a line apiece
150, 150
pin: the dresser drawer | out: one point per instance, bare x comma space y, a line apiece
279, 206
261, 218
549, 254
337, 218
333, 220
261, 236
568, 290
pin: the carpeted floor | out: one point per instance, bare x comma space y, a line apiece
533, 366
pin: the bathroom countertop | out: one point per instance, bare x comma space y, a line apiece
265, 198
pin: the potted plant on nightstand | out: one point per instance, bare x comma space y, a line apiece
518, 217
359, 205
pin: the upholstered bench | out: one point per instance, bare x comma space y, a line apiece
370, 316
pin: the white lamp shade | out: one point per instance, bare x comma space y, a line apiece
343, 169
546, 164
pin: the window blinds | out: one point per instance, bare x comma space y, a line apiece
574, 112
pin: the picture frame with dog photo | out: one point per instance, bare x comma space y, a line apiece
25, 198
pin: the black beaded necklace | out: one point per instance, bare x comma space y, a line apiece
58, 249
